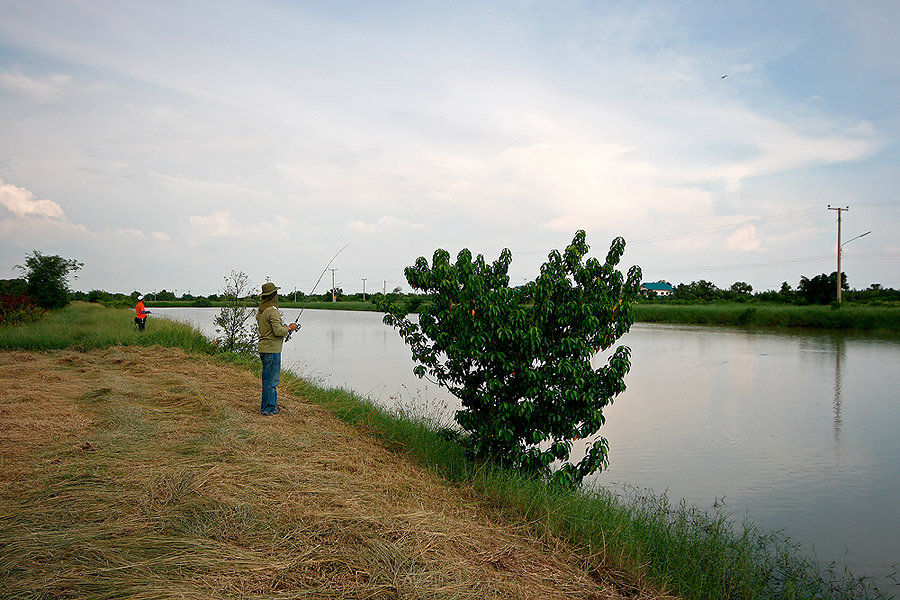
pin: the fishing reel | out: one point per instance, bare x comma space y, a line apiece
291, 331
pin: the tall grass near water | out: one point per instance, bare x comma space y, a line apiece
642, 536
85, 326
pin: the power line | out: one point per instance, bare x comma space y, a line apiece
790, 261
720, 228
775, 263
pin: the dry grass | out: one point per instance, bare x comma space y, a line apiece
148, 473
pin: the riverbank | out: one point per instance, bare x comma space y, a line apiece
147, 472
740, 314
863, 318
653, 543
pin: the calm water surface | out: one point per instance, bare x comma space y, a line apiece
799, 430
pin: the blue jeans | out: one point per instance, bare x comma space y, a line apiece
271, 375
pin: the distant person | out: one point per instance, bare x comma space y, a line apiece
272, 332
140, 313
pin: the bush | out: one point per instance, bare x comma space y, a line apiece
18, 308
520, 359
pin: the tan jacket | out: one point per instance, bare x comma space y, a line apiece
271, 330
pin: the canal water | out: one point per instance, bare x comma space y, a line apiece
800, 431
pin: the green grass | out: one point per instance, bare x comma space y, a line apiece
772, 315
669, 546
84, 326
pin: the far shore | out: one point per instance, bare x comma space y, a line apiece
741, 314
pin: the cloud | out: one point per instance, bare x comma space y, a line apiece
743, 239
44, 90
158, 236
23, 203
222, 224
387, 222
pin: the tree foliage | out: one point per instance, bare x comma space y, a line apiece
520, 360
47, 278
236, 334
821, 289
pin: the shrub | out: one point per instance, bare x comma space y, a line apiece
18, 308
520, 359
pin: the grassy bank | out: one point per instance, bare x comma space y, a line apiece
648, 541
775, 315
84, 326
751, 314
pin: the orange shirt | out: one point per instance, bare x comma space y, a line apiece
139, 310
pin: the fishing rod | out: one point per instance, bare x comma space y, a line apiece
313, 291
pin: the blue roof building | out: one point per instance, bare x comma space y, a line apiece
661, 289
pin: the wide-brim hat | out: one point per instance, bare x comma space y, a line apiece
141, 297
269, 289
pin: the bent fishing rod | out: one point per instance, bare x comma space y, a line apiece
313, 291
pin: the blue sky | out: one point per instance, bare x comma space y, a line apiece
165, 144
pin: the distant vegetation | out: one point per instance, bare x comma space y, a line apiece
45, 284
820, 290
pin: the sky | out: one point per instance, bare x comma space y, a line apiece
167, 144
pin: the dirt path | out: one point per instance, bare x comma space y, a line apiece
148, 473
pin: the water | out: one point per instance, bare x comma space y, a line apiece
799, 430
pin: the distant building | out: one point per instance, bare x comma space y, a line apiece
660, 289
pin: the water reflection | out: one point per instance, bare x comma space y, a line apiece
839, 349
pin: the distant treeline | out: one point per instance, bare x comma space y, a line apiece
821, 290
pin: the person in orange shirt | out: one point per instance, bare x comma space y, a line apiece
140, 313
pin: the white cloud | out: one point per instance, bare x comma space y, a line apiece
158, 236
218, 224
386, 222
743, 239
44, 90
222, 224
23, 203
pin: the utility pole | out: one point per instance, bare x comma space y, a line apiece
364, 289
839, 278
333, 294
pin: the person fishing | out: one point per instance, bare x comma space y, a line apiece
272, 332
140, 313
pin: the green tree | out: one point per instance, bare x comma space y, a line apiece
236, 334
520, 360
821, 289
47, 278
